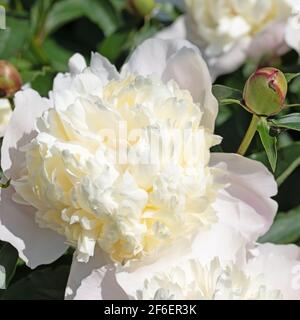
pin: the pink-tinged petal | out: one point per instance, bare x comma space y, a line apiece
35, 245
269, 41
177, 30
21, 130
181, 61
280, 265
86, 284
246, 202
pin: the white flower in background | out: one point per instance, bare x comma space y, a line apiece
230, 31
68, 186
2, 277
268, 272
5, 115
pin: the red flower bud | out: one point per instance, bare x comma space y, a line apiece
265, 92
10, 79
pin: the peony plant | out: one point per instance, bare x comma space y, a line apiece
86, 171
126, 177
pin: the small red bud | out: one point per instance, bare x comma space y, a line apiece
10, 79
265, 92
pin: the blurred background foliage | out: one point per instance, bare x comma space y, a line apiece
41, 36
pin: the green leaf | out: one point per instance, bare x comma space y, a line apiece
29, 76
101, 12
147, 31
42, 284
288, 161
8, 263
57, 55
285, 230
291, 76
269, 143
226, 95
43, 82
117, 40
289, 121
222, 92
38, 15
13, 38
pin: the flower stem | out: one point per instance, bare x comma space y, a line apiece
249, 135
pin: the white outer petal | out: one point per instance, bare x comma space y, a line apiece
28, 107
292, 33
35, 245
176, 30
82, 277
246, 203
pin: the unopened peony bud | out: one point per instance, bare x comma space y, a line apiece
141, 7
265, 92
10, 80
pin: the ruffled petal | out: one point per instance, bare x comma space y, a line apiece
181, 61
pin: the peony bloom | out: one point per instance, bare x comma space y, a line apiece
266, 272
5, 115
229, 32
87, 170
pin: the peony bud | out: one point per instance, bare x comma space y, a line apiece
141, 7
10, 80
265, 92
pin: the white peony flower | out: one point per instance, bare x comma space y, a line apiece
80, 170
229, 31
269, 272
5, 115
